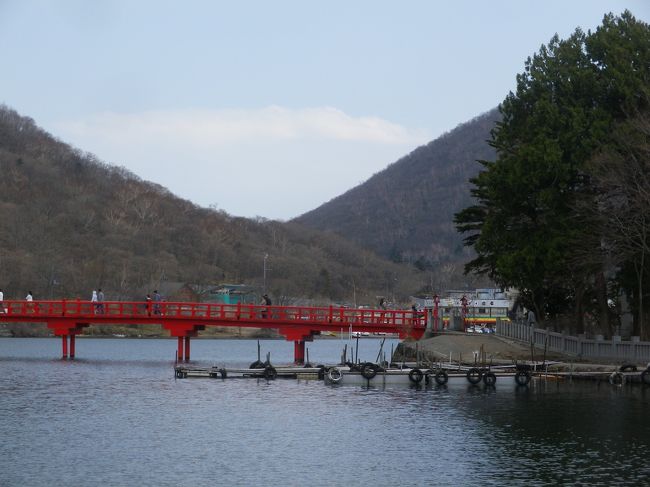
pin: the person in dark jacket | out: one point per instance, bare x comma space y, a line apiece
157, 298
266, 301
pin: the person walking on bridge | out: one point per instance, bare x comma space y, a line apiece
266, 301
29, 298
382, 307
100, 301
416, 313
148, 304
93, 299
157, 298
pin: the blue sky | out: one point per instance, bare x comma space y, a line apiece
266, 108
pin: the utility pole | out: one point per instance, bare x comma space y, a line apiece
264, 269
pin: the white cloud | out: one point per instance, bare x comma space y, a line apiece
274, 162
231, 126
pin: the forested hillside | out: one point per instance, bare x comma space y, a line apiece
70, 223
405, 212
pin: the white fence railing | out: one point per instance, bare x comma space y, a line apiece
614, 349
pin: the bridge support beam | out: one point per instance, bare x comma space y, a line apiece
72, 340
299, 351
66, 330
179, 353
298, 335
68, 352
183, 331
64, 343
183, 353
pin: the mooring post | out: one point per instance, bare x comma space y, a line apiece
64, 343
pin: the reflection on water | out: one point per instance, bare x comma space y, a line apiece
117, 416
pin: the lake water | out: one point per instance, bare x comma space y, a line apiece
116, 416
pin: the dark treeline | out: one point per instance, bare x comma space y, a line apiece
70, 223
563, 212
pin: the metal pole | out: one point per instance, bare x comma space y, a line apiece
266, 256
381, 348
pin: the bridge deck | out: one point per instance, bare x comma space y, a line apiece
186, 319
121, 312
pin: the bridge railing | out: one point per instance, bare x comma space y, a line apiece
123, 310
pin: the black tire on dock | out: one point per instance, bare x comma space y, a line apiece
489, 379
416, 375
270, 373
179, 374
645, 377
334, 375
522, 377
441, 377
321, 372
474, 375
627, 368
368, 371
617, 378
258, 364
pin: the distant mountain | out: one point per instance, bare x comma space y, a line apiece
70, 223
405, 212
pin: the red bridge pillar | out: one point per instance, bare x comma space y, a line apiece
183, 353
65, 329
179, 353
187, 348
183, 331
64, 346
299, 335
299, 351
72, 338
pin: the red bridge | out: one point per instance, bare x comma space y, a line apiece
68, 318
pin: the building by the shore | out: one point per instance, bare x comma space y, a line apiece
481, 307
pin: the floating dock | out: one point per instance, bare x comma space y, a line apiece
269, 372
373, 374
